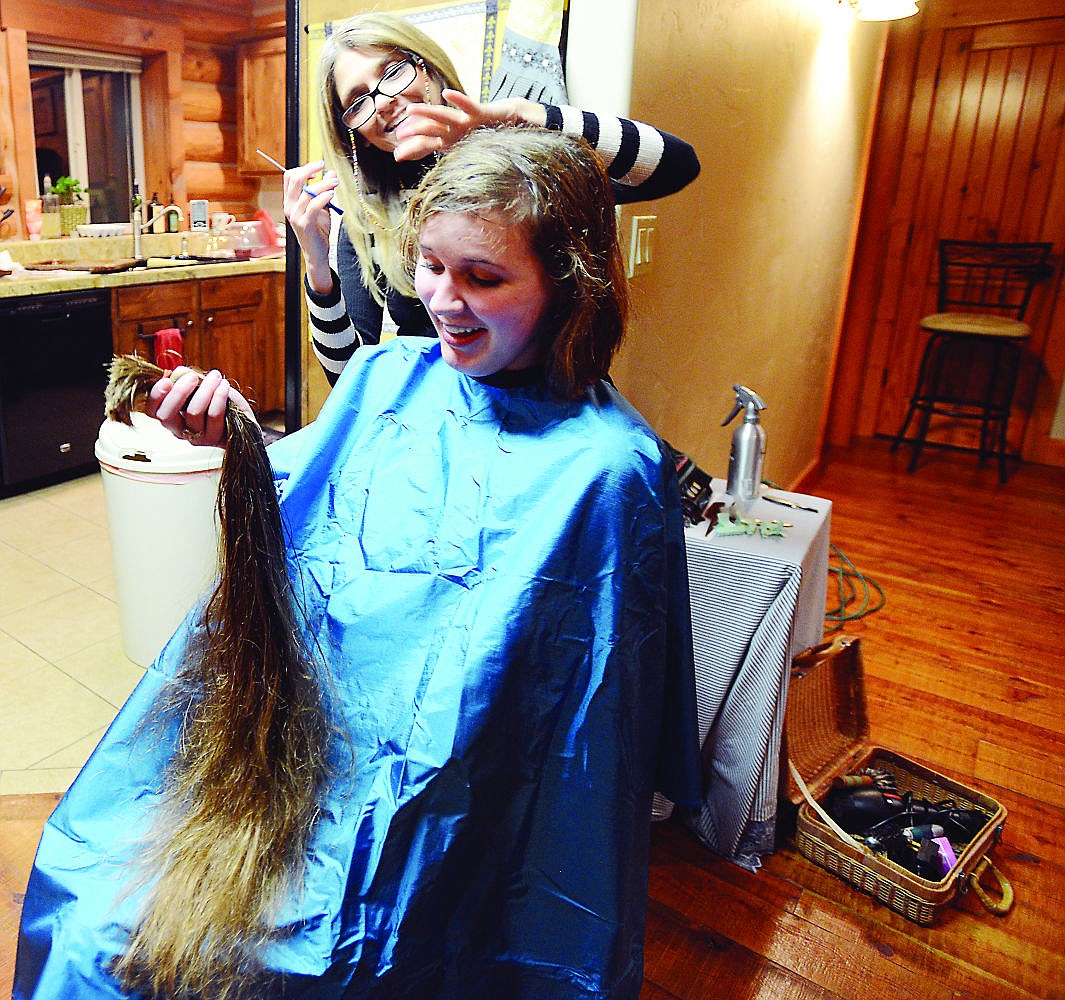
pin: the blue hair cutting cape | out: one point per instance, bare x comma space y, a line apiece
496, 580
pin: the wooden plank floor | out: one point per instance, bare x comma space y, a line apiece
21, 820
965, 672
964, 669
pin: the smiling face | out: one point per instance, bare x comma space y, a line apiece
486, 291
358, 71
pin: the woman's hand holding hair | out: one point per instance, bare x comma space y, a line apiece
193, 406
308, 216
432, 128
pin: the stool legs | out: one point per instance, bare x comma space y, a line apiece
920, 400
933, 394
1008, 360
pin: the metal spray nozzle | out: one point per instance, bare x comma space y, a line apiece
746, 399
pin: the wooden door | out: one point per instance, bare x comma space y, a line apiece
969, 145
261, 104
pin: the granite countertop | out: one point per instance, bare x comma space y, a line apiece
33, 282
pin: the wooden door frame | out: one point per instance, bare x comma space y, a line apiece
868, 270
159, 45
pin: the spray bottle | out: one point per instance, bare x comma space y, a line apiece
748, 450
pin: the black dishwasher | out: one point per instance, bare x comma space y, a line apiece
54, 351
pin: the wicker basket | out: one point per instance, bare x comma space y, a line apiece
826, 731
72, 216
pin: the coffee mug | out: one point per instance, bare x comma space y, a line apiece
219, 221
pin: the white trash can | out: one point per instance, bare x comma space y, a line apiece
160, 493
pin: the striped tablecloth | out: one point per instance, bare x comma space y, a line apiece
756, 602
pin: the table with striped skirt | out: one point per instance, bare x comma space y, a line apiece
757, 600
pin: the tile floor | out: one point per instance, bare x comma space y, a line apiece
63, 673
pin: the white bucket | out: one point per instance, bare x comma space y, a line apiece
160, 493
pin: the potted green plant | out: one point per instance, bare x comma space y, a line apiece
69, 190
73, 211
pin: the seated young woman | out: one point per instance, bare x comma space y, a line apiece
485, 546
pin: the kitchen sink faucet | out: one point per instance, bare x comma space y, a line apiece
138, 225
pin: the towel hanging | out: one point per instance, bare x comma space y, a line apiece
168, 346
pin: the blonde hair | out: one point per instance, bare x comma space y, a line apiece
379, 184
555, 187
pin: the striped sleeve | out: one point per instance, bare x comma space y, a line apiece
334, 338
642, 161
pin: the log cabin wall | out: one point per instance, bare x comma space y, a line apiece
189, 48
969, 144
209, 106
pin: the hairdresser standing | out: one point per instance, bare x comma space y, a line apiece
390, 101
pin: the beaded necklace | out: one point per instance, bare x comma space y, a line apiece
367, 212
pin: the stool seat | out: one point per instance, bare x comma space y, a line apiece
976, 325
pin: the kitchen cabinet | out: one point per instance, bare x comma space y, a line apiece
139, 310
231, 323
241, 335
261, 103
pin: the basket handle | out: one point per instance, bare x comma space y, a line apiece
999, 907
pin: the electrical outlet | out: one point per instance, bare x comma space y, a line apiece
641, 242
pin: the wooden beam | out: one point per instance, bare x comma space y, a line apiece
20, 159
971, 13
210, 141
47, 20
1019, 33
164, 126
219, 182
209, 64
851, 394
203, 102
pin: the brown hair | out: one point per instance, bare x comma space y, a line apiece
555, 186
229, 837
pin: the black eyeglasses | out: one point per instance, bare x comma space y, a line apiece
397, 78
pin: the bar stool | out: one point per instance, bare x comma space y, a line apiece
969, 367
